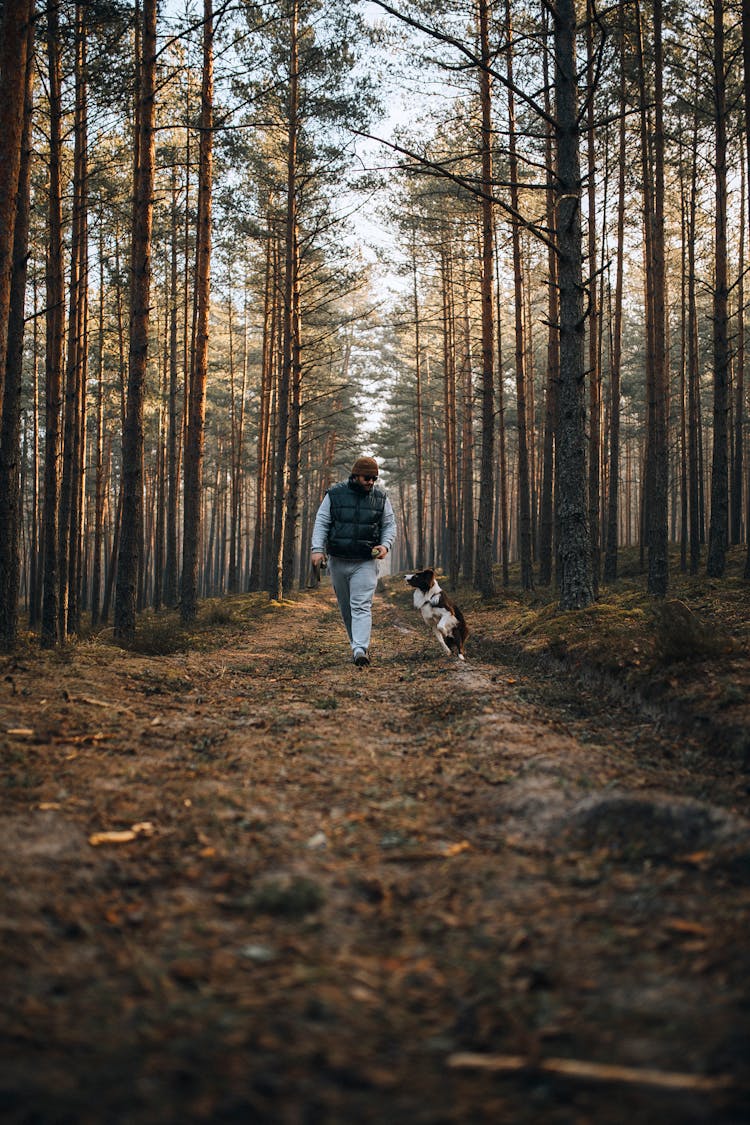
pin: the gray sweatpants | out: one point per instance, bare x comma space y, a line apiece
354, 581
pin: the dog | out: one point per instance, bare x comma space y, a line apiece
442, 616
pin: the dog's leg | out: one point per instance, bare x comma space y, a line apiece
441, 640
454, 646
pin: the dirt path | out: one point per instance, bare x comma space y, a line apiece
345, 885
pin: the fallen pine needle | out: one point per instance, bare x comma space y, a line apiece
597, 1072
116, 707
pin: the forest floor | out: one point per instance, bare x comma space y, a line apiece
247, 882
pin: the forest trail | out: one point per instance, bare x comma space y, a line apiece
344, 885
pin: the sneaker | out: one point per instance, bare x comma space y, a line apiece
361, 659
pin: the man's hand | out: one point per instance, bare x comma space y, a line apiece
382, 552
317, 557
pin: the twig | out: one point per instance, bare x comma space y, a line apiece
596, 1072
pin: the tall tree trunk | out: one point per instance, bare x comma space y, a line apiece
613, 496
524, 483
69, 525
418, 412
99, 494
739, 389
34, 520
174, 424
291, 503
195, 437
131, 530
10, 433
693, 377
546, 520
450, 550
502, 518
261, 533
719, 525
746, 92
15, 46
594, 365
656, 494
284, 414
467, 441
485, 553
55, 322
576, 589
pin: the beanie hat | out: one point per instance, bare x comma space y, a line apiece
365, 467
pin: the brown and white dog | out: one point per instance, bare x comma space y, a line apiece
442, 616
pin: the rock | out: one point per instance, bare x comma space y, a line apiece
658, 827
291, 896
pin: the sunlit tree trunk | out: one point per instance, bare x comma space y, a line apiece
450, 459
485, 553
502, 506
54, 345
99, 486
195, 435
173, 432
467, 442
261, 534
290, 281
291, 499
75, 374
524, 484
418, 412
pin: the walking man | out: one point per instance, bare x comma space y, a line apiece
356, 526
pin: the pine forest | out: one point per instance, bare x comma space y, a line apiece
374, 562
503, 247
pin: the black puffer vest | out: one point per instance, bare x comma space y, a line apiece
356, 519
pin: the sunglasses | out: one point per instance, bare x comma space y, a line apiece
369, 478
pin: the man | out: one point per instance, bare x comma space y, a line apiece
355, 524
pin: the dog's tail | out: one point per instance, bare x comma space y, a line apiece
463, 628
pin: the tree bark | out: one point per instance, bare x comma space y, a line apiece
576, 590
594, 365
15, 46
719, 524
10, 434
288, 324
54, 334
524, 484
195, 436
613, 496
131, 530
485, 553
546, 506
